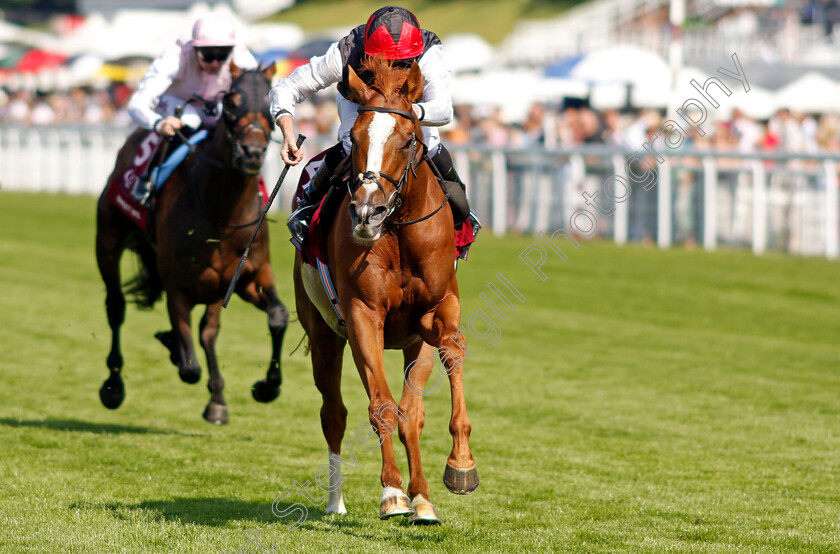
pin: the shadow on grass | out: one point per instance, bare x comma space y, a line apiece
218, 512
213, 512
88, 427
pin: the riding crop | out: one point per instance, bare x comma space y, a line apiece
233, 281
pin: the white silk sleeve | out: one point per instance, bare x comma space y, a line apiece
158, 78
318, 74
437, 88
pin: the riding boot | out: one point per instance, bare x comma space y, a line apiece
313, 193
142, 192
457, 190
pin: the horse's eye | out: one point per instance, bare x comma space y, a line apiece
407, 145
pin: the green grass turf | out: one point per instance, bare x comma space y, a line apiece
493, 20
638, 400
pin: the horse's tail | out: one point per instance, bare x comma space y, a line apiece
145, 288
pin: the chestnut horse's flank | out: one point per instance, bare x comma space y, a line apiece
390, 252
204, 218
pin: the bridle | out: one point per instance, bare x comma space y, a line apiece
394, 201
230, 119
234, 135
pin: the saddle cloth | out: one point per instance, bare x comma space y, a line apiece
121, 188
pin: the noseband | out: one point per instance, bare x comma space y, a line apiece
394, 201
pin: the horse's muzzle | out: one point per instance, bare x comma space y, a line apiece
252, 159
367, 220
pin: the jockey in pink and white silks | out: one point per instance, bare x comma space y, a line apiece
199, 65
393, 33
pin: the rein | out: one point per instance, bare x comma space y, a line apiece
235, 136
394, 201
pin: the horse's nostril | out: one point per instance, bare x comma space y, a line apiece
253, 151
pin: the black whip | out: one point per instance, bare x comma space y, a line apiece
233, 281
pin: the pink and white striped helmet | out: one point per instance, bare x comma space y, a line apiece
213, 29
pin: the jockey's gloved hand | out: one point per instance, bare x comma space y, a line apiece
168, 125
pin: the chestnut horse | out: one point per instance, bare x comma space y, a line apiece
205, 215
390, 250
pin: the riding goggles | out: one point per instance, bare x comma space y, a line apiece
210, 54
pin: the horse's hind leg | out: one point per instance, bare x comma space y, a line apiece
179, 340
216, 410
327, 350
109, 249
419, 362
264, 296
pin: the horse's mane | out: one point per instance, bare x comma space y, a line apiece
387, 77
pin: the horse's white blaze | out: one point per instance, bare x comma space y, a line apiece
336, 504
379, 130
370, 188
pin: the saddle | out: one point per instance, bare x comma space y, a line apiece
122, 189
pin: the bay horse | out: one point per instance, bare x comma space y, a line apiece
390, 250
204, 218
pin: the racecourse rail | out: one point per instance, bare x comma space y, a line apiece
763, 201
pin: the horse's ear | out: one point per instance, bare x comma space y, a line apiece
412, 88
360, 92
235, 71
270, 71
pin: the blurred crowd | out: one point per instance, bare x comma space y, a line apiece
79, 105
577, 124
565, 124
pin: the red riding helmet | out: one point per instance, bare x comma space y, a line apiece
393, 33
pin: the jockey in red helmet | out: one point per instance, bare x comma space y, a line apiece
393, 33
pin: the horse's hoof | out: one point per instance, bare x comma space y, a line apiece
168, 339
217, 414
189, 375
424, 512
460, 481
112, 393
397, 505
262, 391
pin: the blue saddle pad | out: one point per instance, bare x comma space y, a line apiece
162, 173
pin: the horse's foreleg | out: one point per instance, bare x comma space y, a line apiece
264, 296
216, 410
112, 392
180, 342
460, 475
367, 341
419, 362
